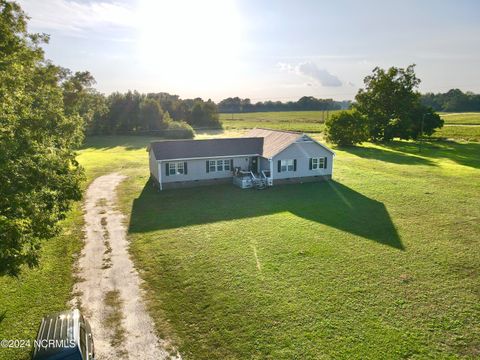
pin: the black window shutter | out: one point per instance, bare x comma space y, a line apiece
166, 169
208, 166
310, 164
294, 164
185, 170
279, 166
231, 164
325, 163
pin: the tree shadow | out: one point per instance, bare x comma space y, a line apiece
391, 155
329, 203
463, 153
3, 315
408, 152
107, 142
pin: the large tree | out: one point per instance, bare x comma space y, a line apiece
80, 97
392, 106
39, 176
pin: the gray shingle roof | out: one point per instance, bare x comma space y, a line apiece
184, 149
264, 142
274, 141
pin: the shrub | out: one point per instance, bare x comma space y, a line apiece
179, 130
346, 128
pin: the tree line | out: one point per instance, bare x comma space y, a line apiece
453, 100
305, 103
136, 113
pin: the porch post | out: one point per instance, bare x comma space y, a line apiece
271, 170
159, 164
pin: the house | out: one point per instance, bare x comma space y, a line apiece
261, 158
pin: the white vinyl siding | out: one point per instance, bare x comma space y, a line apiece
303, 152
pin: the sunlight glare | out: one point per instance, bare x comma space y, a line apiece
190, 40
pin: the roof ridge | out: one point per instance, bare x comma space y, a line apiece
225, 138
277, 130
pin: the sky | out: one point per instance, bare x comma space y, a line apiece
260, 49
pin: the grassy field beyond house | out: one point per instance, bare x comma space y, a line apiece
459, 126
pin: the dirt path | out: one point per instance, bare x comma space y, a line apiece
109, 291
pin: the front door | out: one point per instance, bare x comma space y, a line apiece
254, 164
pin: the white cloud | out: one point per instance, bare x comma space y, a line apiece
75, 16
313, 72
322, 76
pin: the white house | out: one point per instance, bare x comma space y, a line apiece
261, 158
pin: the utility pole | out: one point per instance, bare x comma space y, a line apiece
421, 134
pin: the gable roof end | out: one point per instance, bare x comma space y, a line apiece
274, 141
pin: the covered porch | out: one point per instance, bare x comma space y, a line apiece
258, 174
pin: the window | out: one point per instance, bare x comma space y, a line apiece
219, 165
176, 168
213, 168
180, 168
226, 165
172, 168
318, 163
287, 165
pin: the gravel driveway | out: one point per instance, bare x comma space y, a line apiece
109, 288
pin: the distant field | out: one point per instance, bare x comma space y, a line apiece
460, 126
467, 133
308, 121
461, 118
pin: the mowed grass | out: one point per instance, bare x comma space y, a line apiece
36, 292
306, 121
382, 262
459, 132
467, 118
39, 291
314, 122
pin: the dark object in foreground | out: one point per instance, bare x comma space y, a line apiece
65, 335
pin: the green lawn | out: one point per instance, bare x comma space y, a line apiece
36, 292
380, 263
460, 132
39, 291
467, 118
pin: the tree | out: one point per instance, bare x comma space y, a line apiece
151, 115
79, 97
346, 128
39, 175
392, 105
204, 114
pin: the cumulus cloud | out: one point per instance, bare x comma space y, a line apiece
313, 72
322, 76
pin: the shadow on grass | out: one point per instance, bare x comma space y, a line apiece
3, 315
463, 153
392, 156
329, 203
407, 152
106, 142
131, 142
